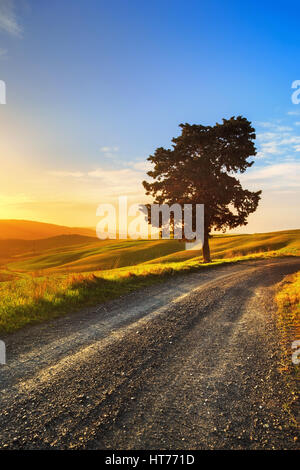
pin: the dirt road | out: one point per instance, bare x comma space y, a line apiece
188, 364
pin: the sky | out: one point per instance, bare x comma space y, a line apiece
94, 87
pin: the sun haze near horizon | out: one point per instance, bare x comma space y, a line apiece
82, 116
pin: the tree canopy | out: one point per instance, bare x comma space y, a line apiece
200, 169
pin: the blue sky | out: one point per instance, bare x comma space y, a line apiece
94, 87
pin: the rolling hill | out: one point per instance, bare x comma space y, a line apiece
75, 253
30, 230
44, 278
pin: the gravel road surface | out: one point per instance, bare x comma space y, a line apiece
191, 363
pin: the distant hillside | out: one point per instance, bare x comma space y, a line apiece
68, 254
16, 246
29, 230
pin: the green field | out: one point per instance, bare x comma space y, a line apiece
85, 254
44, 278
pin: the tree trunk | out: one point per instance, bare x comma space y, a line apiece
205, 248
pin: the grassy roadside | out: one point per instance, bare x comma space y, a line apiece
288, 323
35, 299
288, 316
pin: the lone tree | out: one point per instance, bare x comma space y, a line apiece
199, 169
